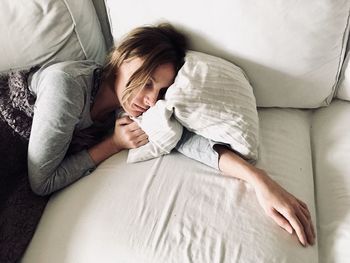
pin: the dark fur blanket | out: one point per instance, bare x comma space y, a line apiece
20, 208
16, 102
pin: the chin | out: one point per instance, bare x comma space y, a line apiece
137, 114
133, 113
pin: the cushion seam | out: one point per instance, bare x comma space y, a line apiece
75, 28
342, 56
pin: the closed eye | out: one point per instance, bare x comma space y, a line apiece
149, 85
162, 93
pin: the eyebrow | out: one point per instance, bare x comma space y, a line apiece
153, 78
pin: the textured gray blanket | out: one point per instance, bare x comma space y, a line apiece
16, 101
20, 208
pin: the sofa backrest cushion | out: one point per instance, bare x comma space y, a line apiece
36, 31
290, 50
344, 83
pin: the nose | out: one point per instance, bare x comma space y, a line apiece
151, 99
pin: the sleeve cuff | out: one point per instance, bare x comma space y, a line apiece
86, 162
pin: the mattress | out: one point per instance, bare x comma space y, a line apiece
174, 209
331, 151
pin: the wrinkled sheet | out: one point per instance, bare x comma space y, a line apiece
173, 209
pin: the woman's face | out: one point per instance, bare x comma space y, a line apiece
142, 99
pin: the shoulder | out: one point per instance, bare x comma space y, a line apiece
67, 72
69, 68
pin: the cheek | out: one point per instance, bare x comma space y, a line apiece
133, 98
136, 97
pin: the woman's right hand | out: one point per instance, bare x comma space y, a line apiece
127, 134
285, 209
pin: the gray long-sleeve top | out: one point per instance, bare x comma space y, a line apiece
62, 105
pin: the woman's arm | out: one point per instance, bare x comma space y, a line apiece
286, 210
58, 107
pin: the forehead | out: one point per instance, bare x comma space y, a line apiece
164, 73
132, 64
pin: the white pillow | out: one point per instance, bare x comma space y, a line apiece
213, 98
163, 133
39, 31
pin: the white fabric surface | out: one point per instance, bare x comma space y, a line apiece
173, 209
163, 131
34, 32
291, 50
331, 150
344, 82
213, 98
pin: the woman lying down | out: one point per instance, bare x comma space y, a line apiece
79, 100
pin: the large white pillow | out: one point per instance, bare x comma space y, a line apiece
37, 31
213, 98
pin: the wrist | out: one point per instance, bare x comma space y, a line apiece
115, 147
103, 150
233, 165
259, 178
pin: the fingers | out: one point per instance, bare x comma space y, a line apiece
300, 219
297, 225
302, 204
129, 134
137, 138
306, 222
281, 221
306, 212
304, 208
138, 134
132, 125
142, 140
313, 230
123, 121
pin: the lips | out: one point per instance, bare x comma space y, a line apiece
139, 108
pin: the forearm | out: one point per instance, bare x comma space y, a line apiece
233, 165
103, 150
46, 177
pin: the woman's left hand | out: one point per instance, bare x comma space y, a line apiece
286, 210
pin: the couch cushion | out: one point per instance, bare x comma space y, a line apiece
290, 50
344, 82
173, 209
331, 151
41, 30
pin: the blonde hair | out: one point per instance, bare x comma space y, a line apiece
156, 45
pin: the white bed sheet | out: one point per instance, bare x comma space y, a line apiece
331, 151
173, 209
